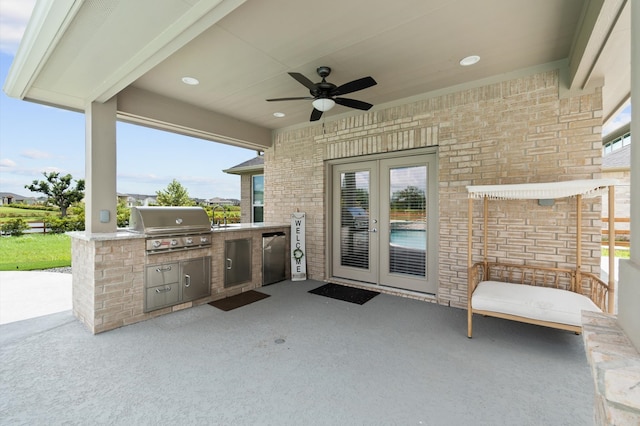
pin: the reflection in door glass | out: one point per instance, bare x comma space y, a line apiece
408, 220
354, 218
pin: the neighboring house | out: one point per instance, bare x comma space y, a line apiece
251, 174
132, 200
616, 164
11, 198
217, 201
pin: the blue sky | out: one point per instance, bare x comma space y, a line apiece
36, 138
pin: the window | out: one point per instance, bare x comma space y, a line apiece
617, 143
257, 198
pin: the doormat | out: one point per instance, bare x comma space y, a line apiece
347, 294
239, 300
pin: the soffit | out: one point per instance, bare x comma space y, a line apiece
409, 50
613, 65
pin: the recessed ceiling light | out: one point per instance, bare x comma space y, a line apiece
278, 114
469, 60
191, 81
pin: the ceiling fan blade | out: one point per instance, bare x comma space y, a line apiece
315, 115
354, 86
353, 103
303, 80
290, 99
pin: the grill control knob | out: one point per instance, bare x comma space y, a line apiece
174, 243
189, 240
204, 240
156, 243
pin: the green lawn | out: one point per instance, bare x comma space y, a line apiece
620, 253
8, 213
34, 251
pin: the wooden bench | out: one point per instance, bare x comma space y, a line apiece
551, 297
548, 296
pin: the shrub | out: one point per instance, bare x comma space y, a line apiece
33, 207
14, 227
59, 225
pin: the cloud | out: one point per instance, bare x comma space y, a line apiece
141, 177
619, 120
35, 154
6, 162
13, 21
33, 173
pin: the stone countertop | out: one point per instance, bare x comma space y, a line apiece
126, 234
248, 226
120, 234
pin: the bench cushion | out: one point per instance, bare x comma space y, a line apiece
540, 303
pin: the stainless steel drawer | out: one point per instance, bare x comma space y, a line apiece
166, 273
161, 296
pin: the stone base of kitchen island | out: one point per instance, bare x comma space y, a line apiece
108, 274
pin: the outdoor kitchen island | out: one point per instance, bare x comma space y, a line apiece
109, 287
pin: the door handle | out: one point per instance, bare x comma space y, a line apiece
187, 280
229, 263
373, 230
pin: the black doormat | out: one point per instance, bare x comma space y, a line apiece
238, 300
347, 294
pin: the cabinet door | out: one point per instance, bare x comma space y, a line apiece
237, 262
196, 278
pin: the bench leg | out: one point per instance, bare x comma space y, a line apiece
469, 323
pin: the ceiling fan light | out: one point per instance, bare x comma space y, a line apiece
323, 104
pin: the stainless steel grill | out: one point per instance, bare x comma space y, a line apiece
171, 228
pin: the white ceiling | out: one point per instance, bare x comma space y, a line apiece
241, 51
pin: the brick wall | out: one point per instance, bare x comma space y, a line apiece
108, 282
245, 198
515, 131
108, 275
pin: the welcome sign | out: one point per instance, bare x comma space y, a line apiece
298, 259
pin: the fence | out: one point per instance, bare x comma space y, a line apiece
37, 227
621, 236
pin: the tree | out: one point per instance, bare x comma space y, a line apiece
174, 195
58, 190
409, 198
123, 212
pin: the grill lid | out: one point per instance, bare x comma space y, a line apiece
158, 220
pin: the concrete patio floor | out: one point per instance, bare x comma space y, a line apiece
390, 361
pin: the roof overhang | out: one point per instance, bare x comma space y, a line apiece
75, 53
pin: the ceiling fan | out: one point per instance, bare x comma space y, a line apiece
325, 94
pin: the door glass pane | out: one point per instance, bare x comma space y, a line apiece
354, 219
408, 220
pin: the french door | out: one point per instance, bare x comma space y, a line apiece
384, 222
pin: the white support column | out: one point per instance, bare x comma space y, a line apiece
100, 167
629, 277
